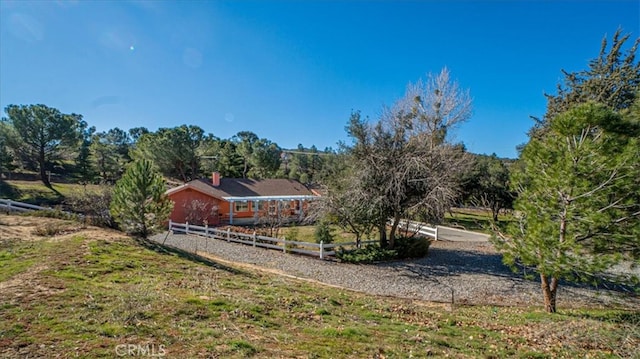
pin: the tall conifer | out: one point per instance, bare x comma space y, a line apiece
139, 203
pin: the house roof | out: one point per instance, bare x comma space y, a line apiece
232, 189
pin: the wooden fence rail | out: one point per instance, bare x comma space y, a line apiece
321, 250
418, 227
10, 205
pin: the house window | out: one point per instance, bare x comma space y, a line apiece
241, 206
273, 208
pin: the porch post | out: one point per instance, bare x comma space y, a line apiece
231, 212
301, 209
256, 205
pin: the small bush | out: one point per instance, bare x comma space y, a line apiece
367, 254
53, 229
243, 347
412, 247
323, 233
292, 234
94, 206
404, 248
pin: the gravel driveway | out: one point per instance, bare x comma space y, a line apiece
470, 271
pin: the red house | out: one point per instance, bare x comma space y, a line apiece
238, 200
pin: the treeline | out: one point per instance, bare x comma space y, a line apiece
42, 139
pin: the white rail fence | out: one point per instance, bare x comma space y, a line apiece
10, 205
321, 250
418, 227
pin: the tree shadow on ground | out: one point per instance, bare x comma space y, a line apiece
8, 191
168, 250
442, 262
446, 262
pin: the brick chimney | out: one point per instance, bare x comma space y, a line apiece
215, 179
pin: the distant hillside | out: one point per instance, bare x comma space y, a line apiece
35, 192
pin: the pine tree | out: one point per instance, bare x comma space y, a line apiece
139, 204
42, 134
577, 198
84, 168
612, 79
6, 157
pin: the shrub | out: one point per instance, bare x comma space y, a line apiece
243, 347
54, 229
94, 206
323, 233
367, 254
405, 247
292, 234
412, 247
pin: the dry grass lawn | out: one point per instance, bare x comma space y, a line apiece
67, 290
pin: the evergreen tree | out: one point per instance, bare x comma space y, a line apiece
265, 159
110, 152
6, 157
578, 200
487, 184
84, 167
176, 151
42, 134
139, 204
612, 79
245, 142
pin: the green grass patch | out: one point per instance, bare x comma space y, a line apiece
307, 234
16, 257
242, 347
9, 267
476, 220
35, 192
350, 333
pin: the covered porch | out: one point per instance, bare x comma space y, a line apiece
250, 209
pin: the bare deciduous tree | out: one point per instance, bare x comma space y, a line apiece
273, 216
199, 212
405, 162
437, 105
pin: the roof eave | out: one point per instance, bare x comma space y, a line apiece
270, 198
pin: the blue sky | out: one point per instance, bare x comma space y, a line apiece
293, 71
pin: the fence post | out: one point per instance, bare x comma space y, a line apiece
186, 228
170, 225
284, 245
228, 234
206, 229
254, 238
436, 233
321, 249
